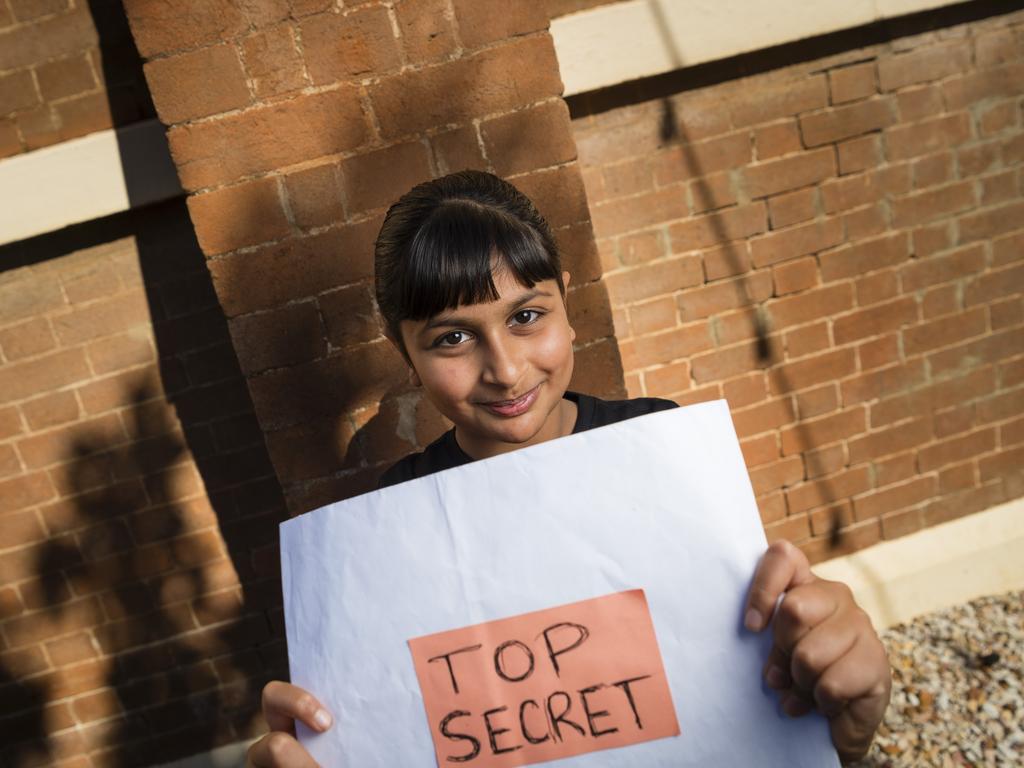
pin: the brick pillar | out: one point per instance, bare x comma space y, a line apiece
294, 124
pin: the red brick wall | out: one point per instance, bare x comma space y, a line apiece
321, 118
140, 601
861, 220
67, 69
556, 8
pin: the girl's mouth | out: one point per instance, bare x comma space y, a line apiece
509, 408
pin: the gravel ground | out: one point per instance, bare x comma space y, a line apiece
958, 688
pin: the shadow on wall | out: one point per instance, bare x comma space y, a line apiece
160, 578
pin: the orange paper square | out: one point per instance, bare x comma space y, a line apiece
545, 685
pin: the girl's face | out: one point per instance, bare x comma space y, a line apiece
498, 370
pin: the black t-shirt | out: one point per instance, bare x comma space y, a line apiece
591, 412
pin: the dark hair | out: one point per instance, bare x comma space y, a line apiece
437, 246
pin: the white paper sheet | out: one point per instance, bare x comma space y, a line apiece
661, 502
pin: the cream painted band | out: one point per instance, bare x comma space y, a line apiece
938, 567
616, 43
85, 179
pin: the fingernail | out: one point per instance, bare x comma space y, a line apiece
753, 620
323, 720
775, 677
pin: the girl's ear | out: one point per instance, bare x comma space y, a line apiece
565, 280
565, 284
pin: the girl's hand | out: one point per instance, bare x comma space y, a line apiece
826, 654
283, 704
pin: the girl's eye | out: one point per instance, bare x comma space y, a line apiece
525, 317
452, 339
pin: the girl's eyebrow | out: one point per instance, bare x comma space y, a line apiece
445, 320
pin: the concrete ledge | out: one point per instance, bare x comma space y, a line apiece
616, 43
85, 179
945, 565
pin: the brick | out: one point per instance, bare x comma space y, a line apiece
71, 649
9, 463
10, 142
159, 28
1006, 462
579, 252
760, 450
728, 361
895, 497
53, 371
241, 215
641, 247
923, 65
878, 352
960, 92
811, 305
288, 396
50, 410
667, 380
459, 149
349, 316
719, 227
957, 449
314, 196
790, 377
875, 320
1006, 313
84, 114
775, 100
616, 216
861, 189
825, 461
807, 340
859, 154
963, 262
487, 21
935, 135
377, 179
818, 401
712, 192
977, 159
280, 337
125, 350
658, 348
999, 46
847, 121
357, 44
883, 382
996, 284
932, 170
25, 491
864, 257
267, 138
529, 139
827, 491
26, 339
183, 89
944, 331
558, 195
726, 261
653, 316
692, 160
17, 92
991, 222
919, 103
650, 280
852, 83
273, 62
795, 276
745, 390
924, 207
998, 188
1007, 249
788, 173
707, 300
765, 416
998, 118
923, 400
895, 469
39, 127
895, 439
964, 503
519, 72
792, 208
779, 474
1002, 406
876, 287
807, 435
796, 241
777, 139
794, 529
331, 259
426, 30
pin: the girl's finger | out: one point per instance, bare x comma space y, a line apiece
283, 703
279, 750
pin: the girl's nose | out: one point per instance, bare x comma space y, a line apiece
504, 364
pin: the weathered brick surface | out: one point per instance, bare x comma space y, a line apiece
135, 491
53, 80
867, 314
